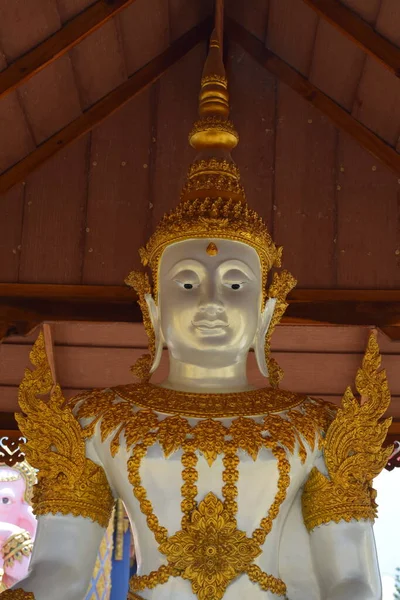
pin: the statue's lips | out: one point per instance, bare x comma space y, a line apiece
210, 327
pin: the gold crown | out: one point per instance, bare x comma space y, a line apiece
212, 206
23, 470
213, 202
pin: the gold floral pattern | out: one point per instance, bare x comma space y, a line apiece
210, 551
353, 451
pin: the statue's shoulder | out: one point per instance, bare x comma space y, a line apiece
297, 406
90, 403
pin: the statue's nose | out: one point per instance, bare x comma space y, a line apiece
211, 308
210, 302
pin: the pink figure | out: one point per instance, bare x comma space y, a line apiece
16, 516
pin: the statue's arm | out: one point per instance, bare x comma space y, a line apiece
338, 499
72, 498
344, 555
63, 559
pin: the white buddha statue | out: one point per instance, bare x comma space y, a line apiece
233, 492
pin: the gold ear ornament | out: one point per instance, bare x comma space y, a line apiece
140, 282
282, 284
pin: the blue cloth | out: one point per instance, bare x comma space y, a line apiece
120, 572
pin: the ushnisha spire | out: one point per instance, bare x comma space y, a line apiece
213, 203
213, 130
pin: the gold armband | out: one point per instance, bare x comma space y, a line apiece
16, 547
68, 482
18, 594
353, 451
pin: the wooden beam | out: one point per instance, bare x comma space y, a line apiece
359, 32
23, 306
59, 43
300, 84
105, 107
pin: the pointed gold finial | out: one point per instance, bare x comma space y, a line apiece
213, 130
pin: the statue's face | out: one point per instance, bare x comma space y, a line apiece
209, 305
11, 497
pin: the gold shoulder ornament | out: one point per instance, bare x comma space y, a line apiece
68, 482
353, 451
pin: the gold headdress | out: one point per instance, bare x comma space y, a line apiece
20, 470
213, 203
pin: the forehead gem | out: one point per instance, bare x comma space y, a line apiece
212, 249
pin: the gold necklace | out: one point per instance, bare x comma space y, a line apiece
198, 405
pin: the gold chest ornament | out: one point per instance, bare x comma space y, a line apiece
209, 550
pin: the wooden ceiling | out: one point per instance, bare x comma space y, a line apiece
80, 216
96, 101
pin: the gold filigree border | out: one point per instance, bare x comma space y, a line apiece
251, 403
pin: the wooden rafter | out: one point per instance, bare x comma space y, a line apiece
300, 84
105, 107
23, 306
359, 32
59, 43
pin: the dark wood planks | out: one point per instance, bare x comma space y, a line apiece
184, 15
103, 108
98, 63
378, 99
359, 32
305, 148
337, 65
144, 32
54, 218
291, 32
43, 25
10, 233
252, 15
304, 215
301, 85
368, 221
118, 196
49, 100
253, 99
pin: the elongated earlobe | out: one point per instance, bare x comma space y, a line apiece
156, 323
259, 342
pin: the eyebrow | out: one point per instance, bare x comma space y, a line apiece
187, 263
238, 264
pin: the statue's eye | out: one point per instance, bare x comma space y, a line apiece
186, 285
234, 286
5, 500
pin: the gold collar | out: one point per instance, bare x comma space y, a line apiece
250, 403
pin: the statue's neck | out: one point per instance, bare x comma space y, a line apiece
187, 377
